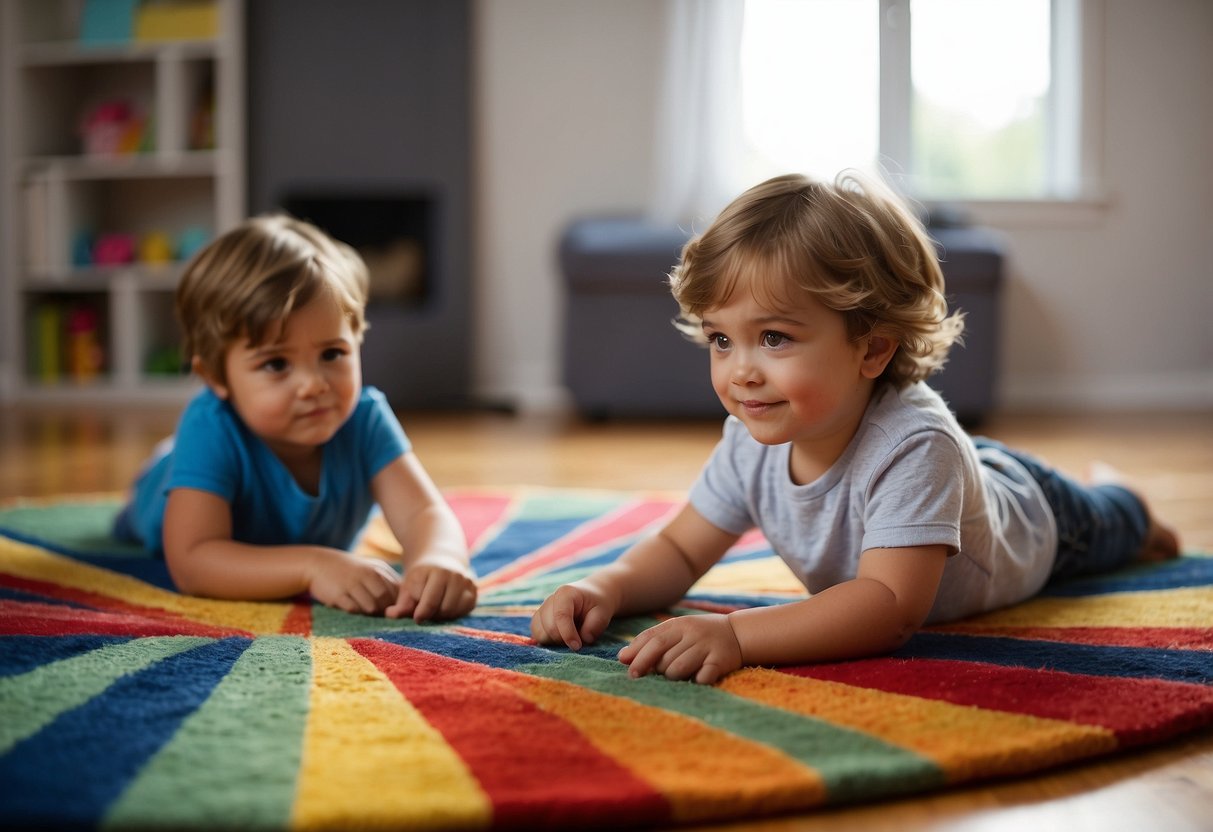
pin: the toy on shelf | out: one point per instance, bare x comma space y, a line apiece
156, 248
164, 361
84, 354
114, 249
191, 240
114, 128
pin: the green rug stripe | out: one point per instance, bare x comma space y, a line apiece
31, 701
327, 621
239, 753
568, 504
83, 527
851, 764
536, 587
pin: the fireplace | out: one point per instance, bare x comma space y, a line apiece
375, 147
393, 233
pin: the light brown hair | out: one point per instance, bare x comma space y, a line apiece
246, 282
851, 244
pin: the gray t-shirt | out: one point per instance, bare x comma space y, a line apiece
910, 476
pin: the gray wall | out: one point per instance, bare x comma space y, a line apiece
373, 97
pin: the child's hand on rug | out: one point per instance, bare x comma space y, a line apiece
574, 614
353, 583
434, 589
702, 648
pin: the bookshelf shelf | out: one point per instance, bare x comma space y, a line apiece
117, 160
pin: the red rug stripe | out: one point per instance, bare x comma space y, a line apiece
537, 769
1136, 710
629, 520
35, 619
105, 603
478, 513
1165, 638
298, 621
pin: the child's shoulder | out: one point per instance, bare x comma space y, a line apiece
898, 414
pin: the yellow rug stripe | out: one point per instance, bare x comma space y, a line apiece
684, 759
33, 563
371, 761
762, 575
1186, 607
940, 731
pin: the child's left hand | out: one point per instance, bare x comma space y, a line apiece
433, 589
699, 647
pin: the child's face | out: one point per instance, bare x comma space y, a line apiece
296, 390
791, 374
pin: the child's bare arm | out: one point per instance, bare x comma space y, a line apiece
204, 560
874, 613
438, 579
653, 574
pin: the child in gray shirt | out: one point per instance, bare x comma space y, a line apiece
823, 307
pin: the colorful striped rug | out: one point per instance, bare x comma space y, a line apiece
124, 704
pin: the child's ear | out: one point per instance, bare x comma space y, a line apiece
203, 373
879, 354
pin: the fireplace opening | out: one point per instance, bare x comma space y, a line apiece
392, 233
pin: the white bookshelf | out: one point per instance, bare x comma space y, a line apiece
52, 193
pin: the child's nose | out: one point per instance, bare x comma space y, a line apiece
314, 383
745, 370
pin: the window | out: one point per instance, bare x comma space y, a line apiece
956, 99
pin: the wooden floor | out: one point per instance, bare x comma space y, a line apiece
45, 452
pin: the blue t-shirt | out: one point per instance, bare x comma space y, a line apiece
214, 451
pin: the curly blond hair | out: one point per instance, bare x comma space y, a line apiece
851, 244
249, 280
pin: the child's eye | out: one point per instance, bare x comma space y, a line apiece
274, 365
332, 354
719, 341
774, 339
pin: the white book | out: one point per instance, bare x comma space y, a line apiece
37, 235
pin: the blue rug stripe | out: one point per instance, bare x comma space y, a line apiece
522, 537
1188, 571
21, 654
499, 654
1193, 666
10, 594
147, 569
69, 773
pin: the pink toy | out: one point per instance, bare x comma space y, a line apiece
114, 249
112, 128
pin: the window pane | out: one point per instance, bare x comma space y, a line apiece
810, 86
981, 77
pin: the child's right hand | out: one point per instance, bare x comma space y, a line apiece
575, 614
354, 583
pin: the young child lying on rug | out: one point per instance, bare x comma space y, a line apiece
277, 464
823, 308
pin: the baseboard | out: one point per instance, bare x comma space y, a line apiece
1179, 390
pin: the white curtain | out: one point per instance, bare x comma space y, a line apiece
699, 128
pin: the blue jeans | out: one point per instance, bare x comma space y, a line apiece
1099, 527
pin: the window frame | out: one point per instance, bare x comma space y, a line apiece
1075, 105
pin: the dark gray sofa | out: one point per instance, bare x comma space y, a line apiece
623, 357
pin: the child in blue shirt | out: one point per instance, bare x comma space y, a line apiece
823, 308
277, 464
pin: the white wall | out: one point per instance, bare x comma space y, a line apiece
564, 108
1120, 313
1114, 311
